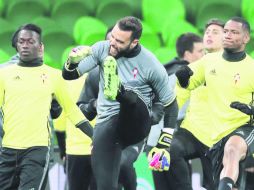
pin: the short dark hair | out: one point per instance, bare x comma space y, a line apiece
131, 23
245, 23
31, 27
185, 42
215, 21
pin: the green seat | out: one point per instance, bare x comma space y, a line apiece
4, 57
88, 30
246, 7
66, 12
136, 7
191, 8
252, 54
247, 10
111, 11
155, 13
149, 38
170, 35
165, 54
250, 45
20, 12
220, 9
2, 7
6, 32
55, 40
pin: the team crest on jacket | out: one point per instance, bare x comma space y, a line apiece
237, 78
135, 72
44, 77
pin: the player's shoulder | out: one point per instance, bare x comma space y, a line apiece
52, 69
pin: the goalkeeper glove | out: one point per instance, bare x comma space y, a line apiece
245, 108
76, 55
183, 75
159, 157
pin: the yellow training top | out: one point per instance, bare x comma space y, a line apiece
225, 82
25, 97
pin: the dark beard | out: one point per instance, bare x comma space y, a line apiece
123, 52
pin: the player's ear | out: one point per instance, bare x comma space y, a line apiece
41, 50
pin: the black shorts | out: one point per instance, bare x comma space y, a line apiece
217, 151
23, 169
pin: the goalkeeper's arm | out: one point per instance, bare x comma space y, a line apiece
70, 71
159, 157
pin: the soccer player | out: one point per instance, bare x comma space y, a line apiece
191, 139
26, 91
123, 113
87, 103
229, 78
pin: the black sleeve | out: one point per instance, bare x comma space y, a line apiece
157, 112
89, 109
70, 74
60, 136
55, 110
170, 115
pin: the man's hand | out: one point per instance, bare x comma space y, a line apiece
245, 108
183, 75
159, 157
79, 53
76, 55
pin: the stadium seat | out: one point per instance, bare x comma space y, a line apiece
155, 13
191, 9
88, 30
23, 11
252, 54
250, 45
2, 7
136, 7
110, 11
4, 57
55, 40
172, 30
246, 6
66, 12
6, 32
221, 9
165, 54
247, 10
149, 38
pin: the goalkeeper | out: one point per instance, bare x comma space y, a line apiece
130, 75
